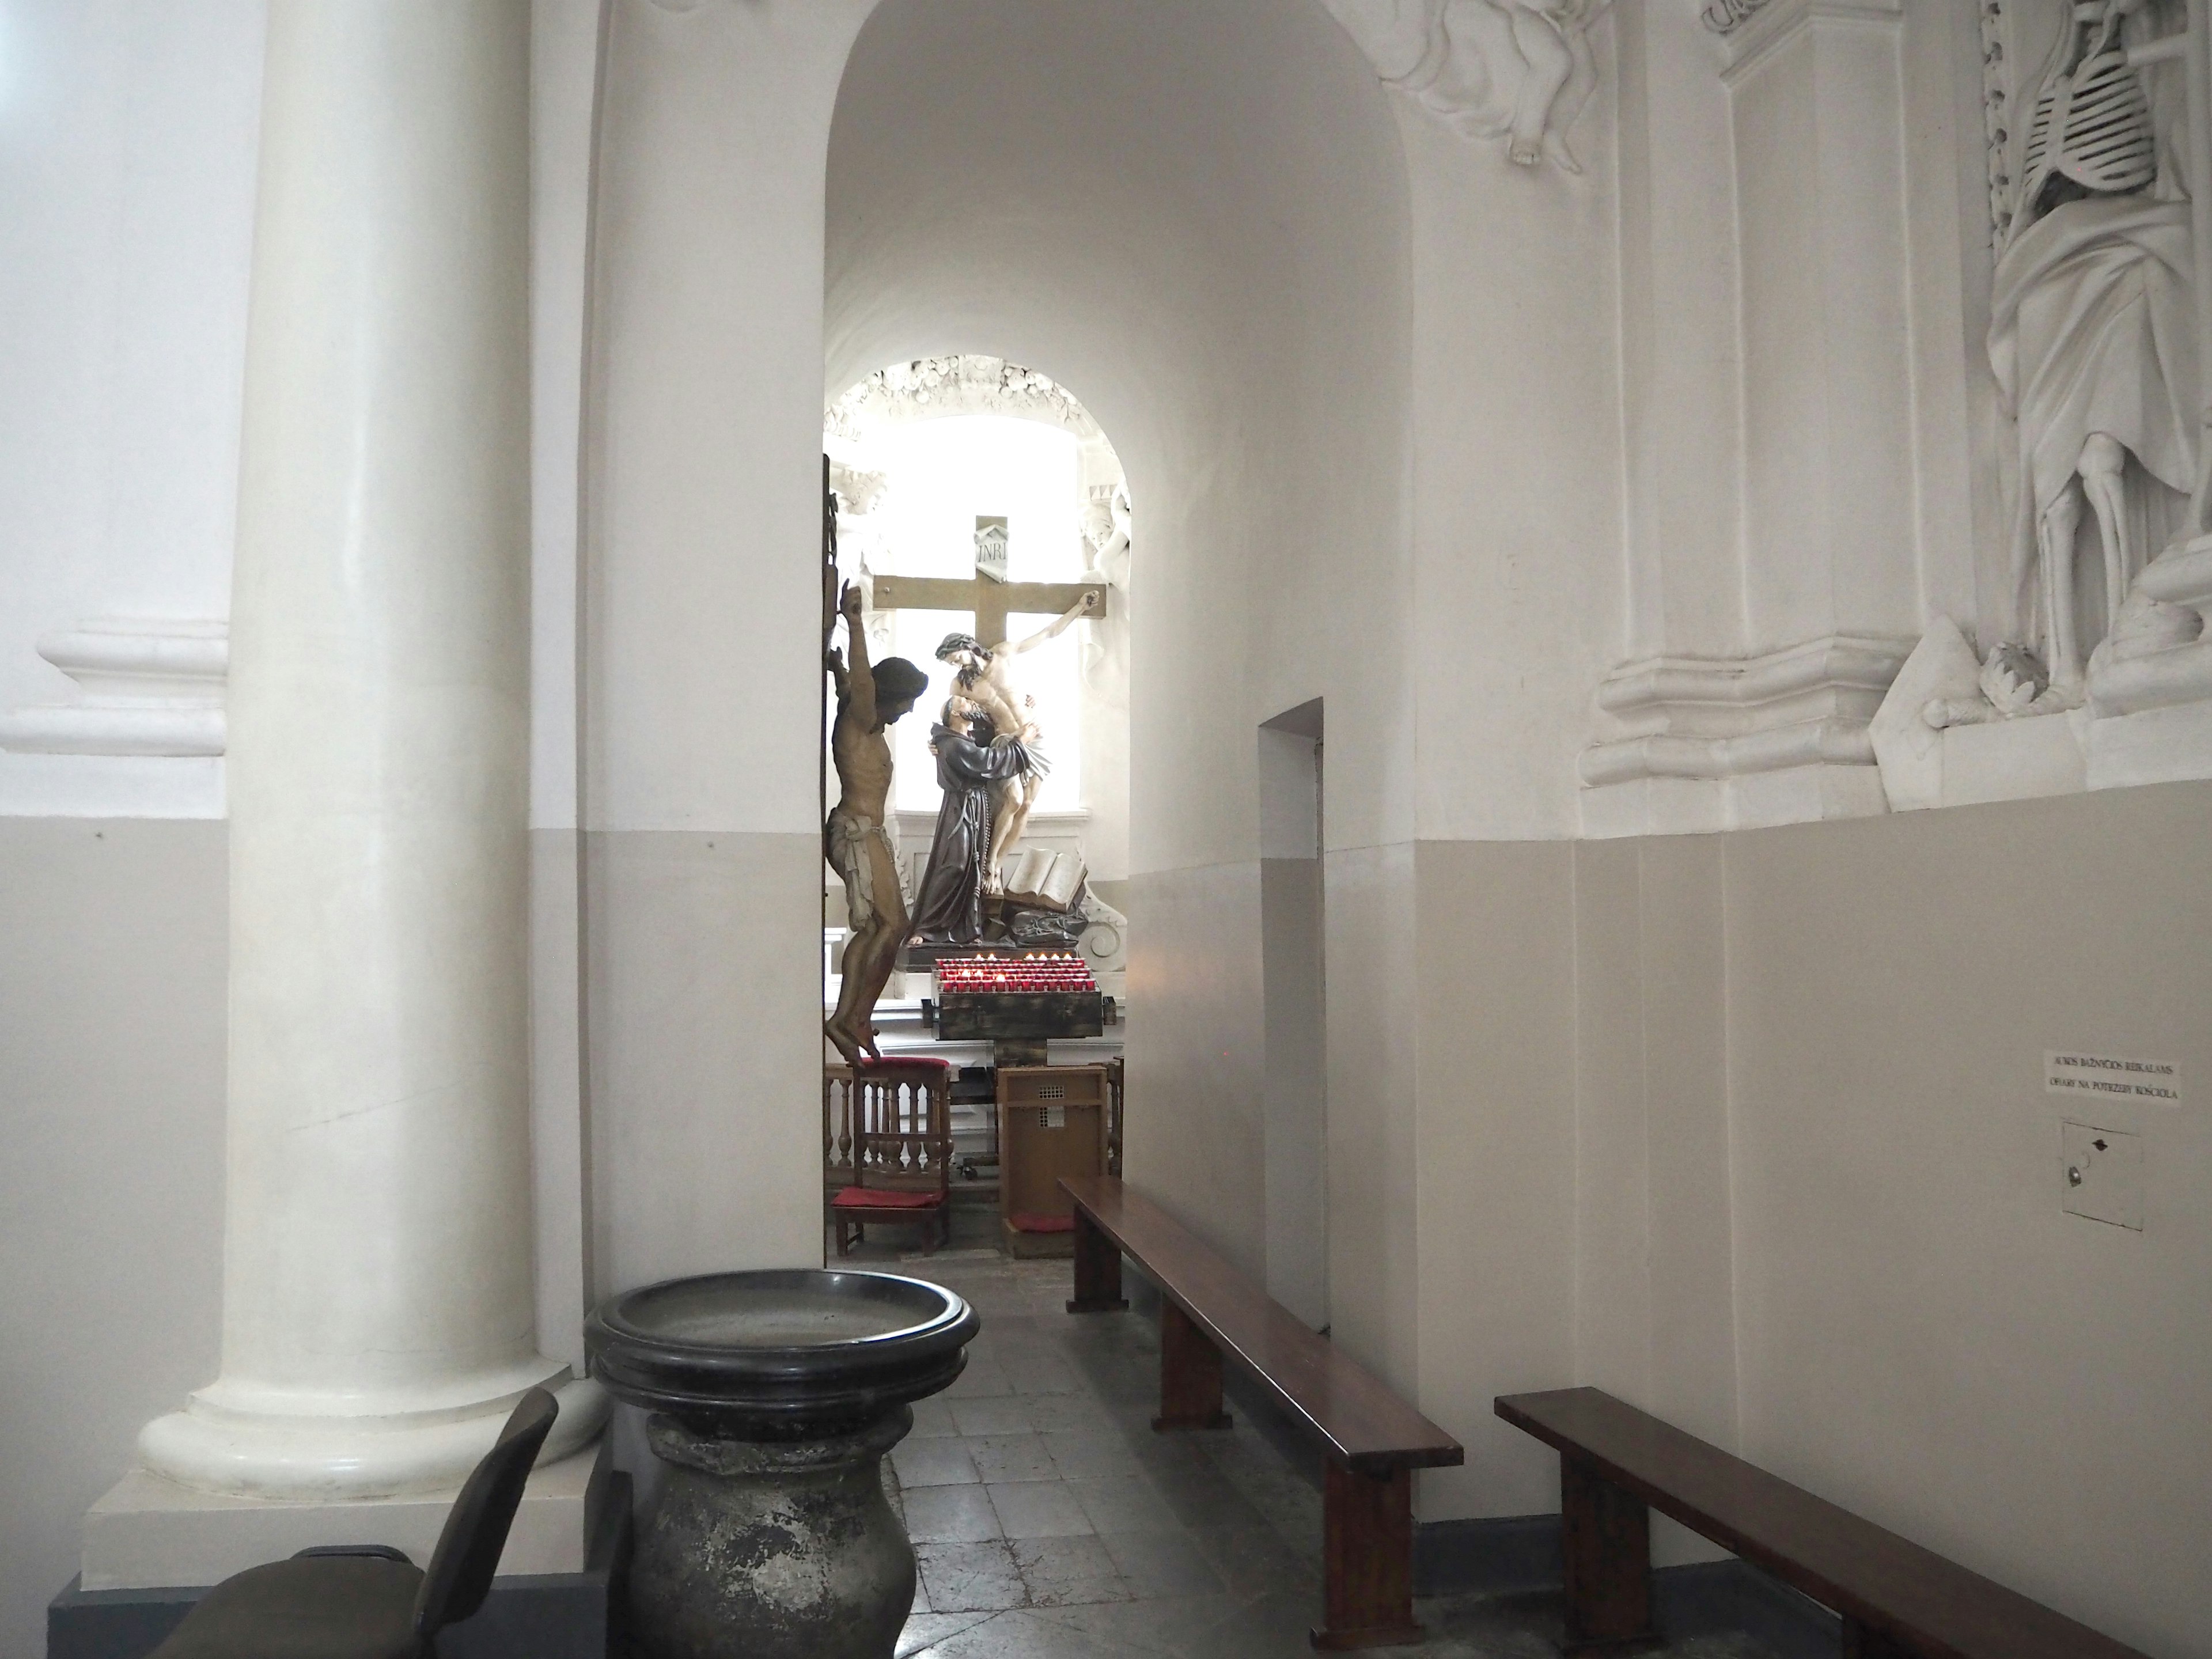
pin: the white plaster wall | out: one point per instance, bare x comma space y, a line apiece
1680, 365
128, 134
1519, 584
698, 602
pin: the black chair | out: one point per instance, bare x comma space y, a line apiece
369, 1602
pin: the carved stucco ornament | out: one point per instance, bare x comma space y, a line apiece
1727, 17
1519, 69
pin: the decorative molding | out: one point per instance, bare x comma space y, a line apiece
1727, 17
932, 388
1996, 118
150, 688
1517, 69
1772, 24
1699, 717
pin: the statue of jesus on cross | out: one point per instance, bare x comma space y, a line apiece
984, 676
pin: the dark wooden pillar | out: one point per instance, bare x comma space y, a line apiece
1605, 1534
1863, 1641
1190, 1375
1367, 1559
1097, 1269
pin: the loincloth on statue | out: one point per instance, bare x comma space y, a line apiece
1037, 765
848, 847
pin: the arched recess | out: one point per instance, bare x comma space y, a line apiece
1198, 217
930, 389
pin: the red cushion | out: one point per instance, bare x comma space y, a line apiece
877, 1198
1042, 1223
896, 1062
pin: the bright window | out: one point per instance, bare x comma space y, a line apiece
941, 476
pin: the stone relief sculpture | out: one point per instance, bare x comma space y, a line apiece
2093, 342
1520, 69
1106, 540
2099, 330
2093, 328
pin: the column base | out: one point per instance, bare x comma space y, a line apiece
236, 1439
146, 1532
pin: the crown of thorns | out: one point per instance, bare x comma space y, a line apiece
952, 642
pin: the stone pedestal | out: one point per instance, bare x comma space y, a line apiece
378, 1298
775, 1395
772, 1549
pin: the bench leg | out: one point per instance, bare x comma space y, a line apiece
1367, 1559
1864, 1642
1190, 1375
1605, 1534
1097, 1270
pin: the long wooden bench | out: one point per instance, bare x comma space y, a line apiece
1372, 1440
1617, 1463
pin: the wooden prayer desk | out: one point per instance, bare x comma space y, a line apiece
1898, 1601
1372, 1440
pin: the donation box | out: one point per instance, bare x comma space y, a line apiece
1052, 1123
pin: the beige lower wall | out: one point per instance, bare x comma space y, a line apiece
1924, 1334
1194, 1135
1493, 1159
112, 954
1751, 1129
1374, 1201
701, 1011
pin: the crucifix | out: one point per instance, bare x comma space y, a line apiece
990, 600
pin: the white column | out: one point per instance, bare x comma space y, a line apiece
377, 1309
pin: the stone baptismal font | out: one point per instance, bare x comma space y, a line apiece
773, 1396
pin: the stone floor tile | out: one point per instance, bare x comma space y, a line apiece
1038, 1371
923, 1629
995, 1414
938, 1463
949, 1514
982, 1376
1200, 1498
1058, 1414
1011, 1457
969, 1578
933, 1418
1123, 1504
1155, 1564
1038, 1509
1062, 1572
1021, 1634
1253, 1562
1087, 1454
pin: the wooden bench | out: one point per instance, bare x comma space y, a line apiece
1372, 1439
1617, 1463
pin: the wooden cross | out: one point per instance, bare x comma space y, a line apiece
990, 601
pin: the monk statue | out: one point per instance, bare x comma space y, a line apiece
985, 680
973, 762
857, 839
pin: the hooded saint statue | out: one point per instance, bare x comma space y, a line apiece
949, 909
